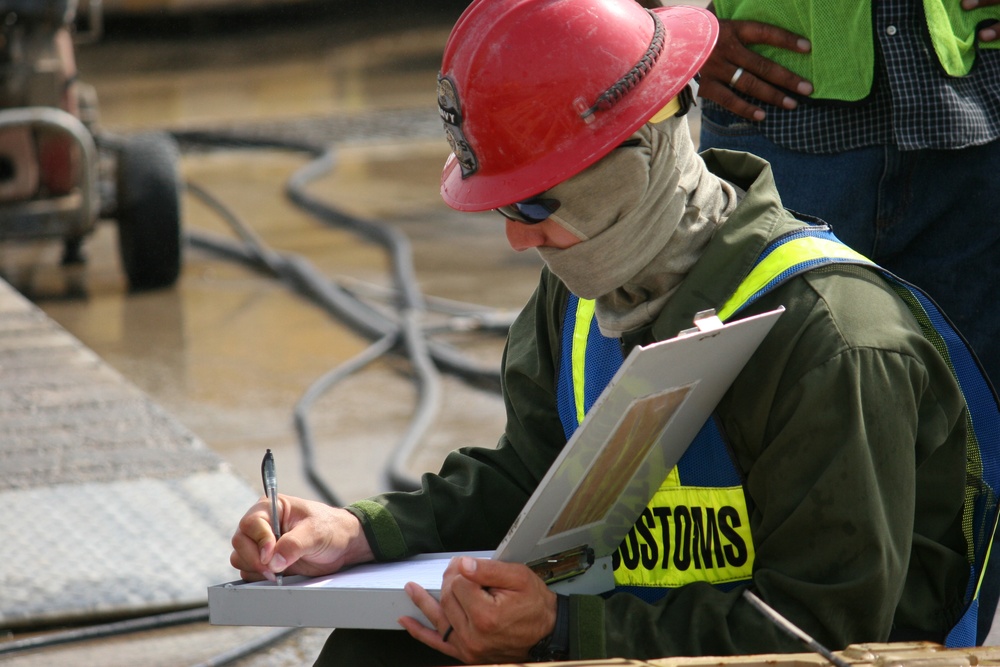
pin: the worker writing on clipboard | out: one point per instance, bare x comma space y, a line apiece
838, 454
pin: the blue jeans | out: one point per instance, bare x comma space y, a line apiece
932, 217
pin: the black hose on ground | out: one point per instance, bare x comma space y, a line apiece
100, 631
404, 330
249, 648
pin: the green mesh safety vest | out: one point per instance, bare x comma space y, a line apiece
841, 65
696, 528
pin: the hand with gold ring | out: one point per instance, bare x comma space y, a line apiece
758, 78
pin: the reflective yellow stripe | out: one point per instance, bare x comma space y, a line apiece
689, 534
782, 258
986, 560
696, 533
581, 332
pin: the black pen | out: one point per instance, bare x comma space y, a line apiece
271, 491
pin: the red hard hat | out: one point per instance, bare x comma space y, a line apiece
533, 92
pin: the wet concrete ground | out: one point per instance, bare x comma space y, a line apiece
229, 351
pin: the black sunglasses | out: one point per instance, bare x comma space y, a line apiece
535, 210
530, 211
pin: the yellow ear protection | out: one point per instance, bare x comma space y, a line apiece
678, 106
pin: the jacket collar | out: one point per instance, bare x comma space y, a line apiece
734, 249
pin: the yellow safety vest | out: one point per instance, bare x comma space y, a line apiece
697, 526
841, 64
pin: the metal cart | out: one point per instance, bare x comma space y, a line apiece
58, 175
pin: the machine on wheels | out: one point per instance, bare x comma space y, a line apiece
58, 176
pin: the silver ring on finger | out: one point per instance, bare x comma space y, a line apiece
736, 76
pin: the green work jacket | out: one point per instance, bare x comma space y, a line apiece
848, 427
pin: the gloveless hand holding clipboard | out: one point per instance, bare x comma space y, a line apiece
568, 530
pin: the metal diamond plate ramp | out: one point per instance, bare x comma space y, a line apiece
110, 506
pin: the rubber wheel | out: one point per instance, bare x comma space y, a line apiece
149, 211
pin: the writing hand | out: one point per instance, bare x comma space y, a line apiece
316, 539
497, 611
761, 78
990, 32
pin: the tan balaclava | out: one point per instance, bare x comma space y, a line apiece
644, 214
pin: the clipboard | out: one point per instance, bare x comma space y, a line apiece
578, 515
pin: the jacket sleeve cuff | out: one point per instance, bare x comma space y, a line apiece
383, 533
586, 627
